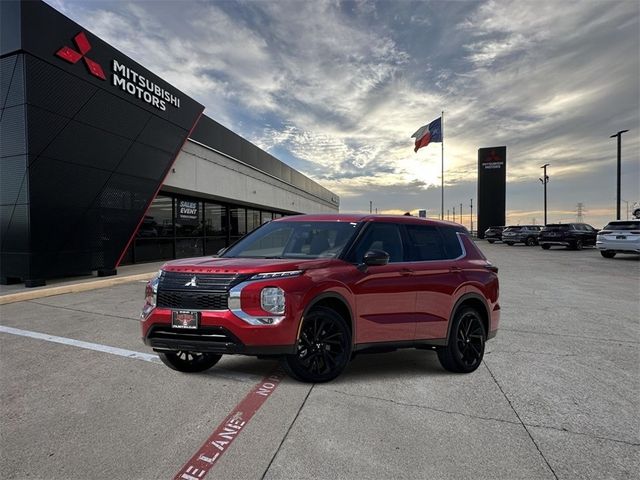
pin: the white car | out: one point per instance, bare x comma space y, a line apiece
619, 236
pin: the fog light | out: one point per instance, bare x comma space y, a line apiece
272, 300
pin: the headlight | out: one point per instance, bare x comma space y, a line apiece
272, 300
150, 296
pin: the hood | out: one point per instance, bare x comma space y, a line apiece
245, 265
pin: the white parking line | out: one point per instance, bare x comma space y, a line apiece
147, 357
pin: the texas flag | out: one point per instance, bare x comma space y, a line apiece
428, 133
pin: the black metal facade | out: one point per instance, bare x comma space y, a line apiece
492, 184
81, 158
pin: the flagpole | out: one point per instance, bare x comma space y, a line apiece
442, 165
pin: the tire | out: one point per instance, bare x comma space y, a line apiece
530, 242
324, 347
189, 362
545, 246
607, 253
491, 241
465, 349
510, 243
577, 245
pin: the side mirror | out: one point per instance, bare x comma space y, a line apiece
376, 257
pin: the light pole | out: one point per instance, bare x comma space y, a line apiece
545, 180
471, 214
454, 214
619, 135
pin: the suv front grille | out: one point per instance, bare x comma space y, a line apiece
192, 300
197, 291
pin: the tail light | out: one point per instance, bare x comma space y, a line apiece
604, 232
635, 232
492, 267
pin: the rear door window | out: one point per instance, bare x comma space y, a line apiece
424, 243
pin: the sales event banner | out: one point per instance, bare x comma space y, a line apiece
188, 211
492, 180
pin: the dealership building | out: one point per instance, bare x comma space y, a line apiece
103, 163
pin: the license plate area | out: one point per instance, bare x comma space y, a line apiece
621, 237
186, 319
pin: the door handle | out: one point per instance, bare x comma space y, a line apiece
406, 272
455, 269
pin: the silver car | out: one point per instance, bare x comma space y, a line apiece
619, 236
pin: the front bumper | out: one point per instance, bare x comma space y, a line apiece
207, 340
220, 331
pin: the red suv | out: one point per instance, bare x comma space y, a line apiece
316, 289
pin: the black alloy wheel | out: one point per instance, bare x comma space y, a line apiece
509, 243
491, 241
324, 347
577, 245
607, 253
465, 349
530, 242
545, 246
189, 362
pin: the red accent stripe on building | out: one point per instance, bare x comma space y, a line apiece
224, 435
158, 189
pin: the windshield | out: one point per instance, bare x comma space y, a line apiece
294, 240
513, 229
560, 227
630, 225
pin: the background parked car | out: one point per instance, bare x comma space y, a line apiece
527, 234
619, 236
493, 234
571, 235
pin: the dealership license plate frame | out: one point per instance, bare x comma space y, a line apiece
621, 237
185, 319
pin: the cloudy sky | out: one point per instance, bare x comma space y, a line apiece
335, 89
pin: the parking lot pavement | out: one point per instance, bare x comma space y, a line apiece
557, 395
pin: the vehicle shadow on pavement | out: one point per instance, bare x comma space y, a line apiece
401, 363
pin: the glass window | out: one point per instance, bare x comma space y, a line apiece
623, 225
425, 243
149, 249
295, 240
452, 245
188, 218
189, 247
158, 221
380, 236
238, 221
215, 220
267, 217
253, 219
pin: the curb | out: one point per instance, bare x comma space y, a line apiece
73, 288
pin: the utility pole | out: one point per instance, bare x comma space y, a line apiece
461, 219
447, 214
454, 214
545, 180
619, 135
471, 213
370, 206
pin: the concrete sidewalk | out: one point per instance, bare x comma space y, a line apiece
128, 273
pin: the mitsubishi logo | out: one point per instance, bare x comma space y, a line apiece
191, 283
72, 56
